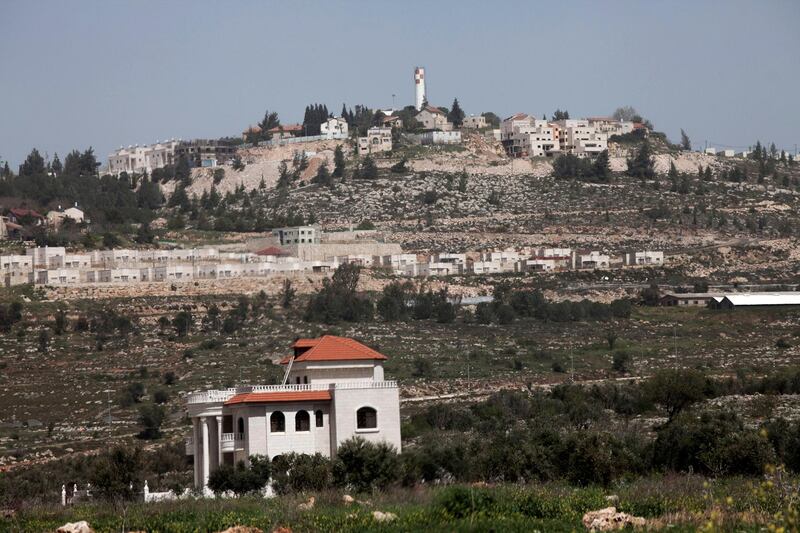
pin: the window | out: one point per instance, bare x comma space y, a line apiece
305, 380
302, 422
240, 426
277, 422
366, 418
318, 418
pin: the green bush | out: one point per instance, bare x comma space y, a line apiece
462, 502
365, 465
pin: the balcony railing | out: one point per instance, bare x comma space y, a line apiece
221, 396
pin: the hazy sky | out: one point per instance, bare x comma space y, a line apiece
105, 73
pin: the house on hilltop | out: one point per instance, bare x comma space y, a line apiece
334, 389
433, 118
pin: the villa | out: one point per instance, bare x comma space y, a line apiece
333, 390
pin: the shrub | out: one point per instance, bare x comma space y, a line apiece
115, 472
294, 472
160, 396
621, 362
462, 502
241, 479
151, 417
783, 343
366, 465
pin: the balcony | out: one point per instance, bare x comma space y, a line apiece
221, 396
231, 442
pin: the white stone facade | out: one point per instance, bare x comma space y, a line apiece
377, 140
140, 159
334, 390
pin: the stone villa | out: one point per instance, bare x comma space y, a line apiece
334, 389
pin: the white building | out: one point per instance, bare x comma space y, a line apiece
297, 235
56, 218
440, 137
610, 126
484, 267
525, 136
57, 276
47, 257
646, 257
726, 152
141, 159
593, 259
579, 138
377, 140
334, 390
710, 151
334, 128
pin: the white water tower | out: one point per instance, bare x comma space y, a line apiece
419, 86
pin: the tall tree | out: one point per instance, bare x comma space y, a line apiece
601, 169
33, 165
456, 115
270, 121
183, 171
339, 162
56, 165
561, 115
641, 165
686, 144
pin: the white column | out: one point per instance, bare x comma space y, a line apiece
196, 450
206, 449
219, 441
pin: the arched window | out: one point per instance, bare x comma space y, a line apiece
318, 418
302, 422
277, 422
366, 418
240, 426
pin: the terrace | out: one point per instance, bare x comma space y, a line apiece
220, 396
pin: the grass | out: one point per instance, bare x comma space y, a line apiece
684, 502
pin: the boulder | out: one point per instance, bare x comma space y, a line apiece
609, 519
307, 506
75, 527
242, 529
383, 517
347, 499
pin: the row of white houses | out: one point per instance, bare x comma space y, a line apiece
54, 266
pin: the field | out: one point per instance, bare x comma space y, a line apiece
686, 503
57, 400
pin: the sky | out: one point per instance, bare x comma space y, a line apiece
110, 73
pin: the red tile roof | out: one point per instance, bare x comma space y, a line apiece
272, 250
273, 397
333, 348
21, 212
434, 110
287, 127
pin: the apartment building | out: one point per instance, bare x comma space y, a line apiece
377, 140
140, 159
297, 235
525, 136
577, 137
610, 126
334, 389
205, 152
